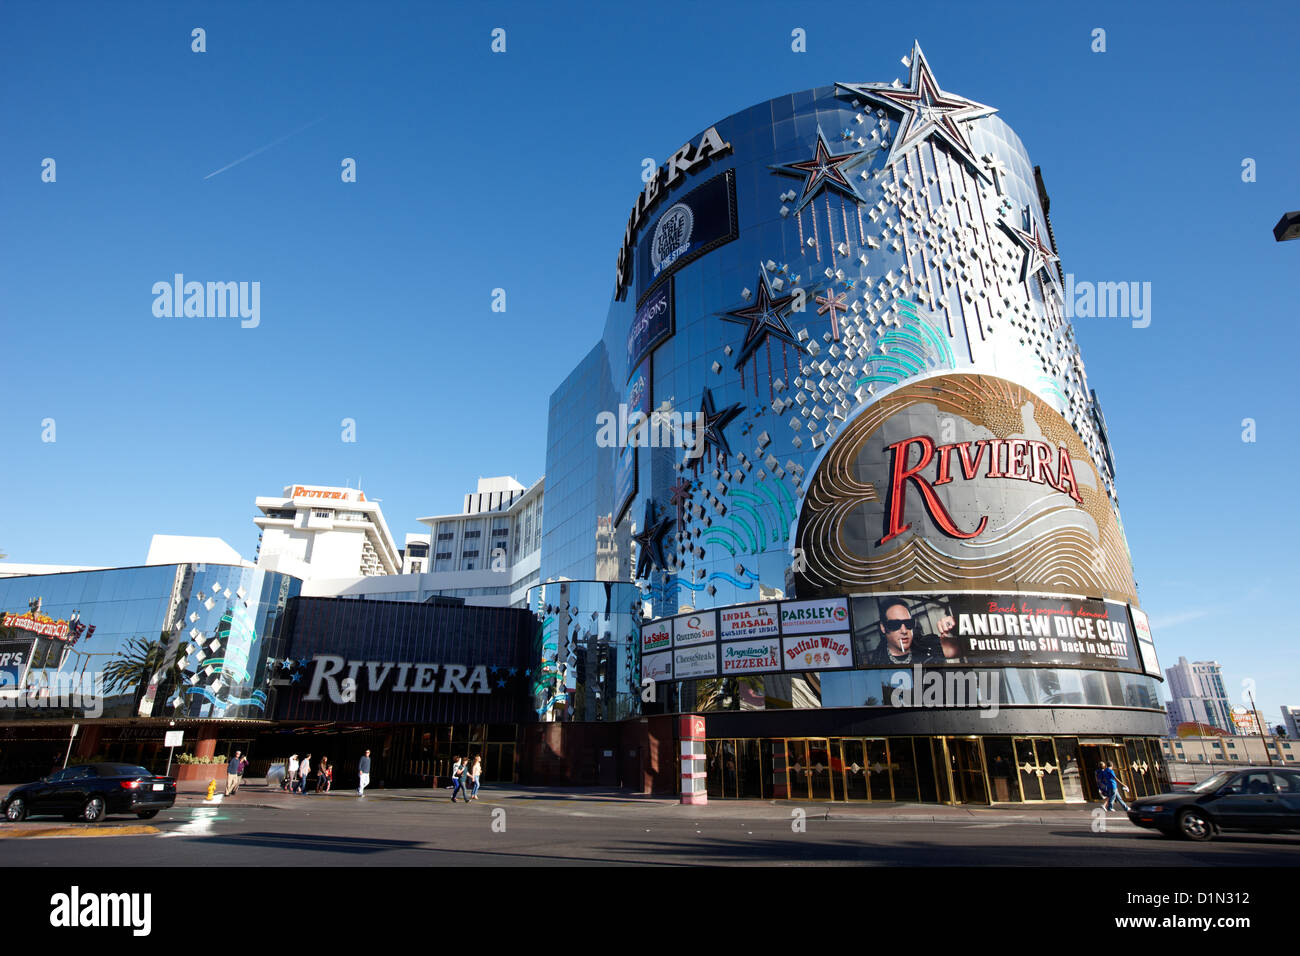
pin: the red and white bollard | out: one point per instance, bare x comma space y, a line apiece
694, 769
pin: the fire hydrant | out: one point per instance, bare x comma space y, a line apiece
212, 789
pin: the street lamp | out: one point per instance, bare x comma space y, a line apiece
1288, 227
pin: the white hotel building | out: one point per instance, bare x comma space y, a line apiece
489, 554
327, 532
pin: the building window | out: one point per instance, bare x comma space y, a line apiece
446, 536
322, 514
444, 555
472, 534
469, 554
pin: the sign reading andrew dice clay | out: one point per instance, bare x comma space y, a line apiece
752, 657
960, 478
816, 652
754, 620
1025, 629
812, 617
656, 637
697, 628
701, 661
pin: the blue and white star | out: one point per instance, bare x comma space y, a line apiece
927, 112
823, 171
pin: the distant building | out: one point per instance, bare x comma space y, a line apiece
1291, 721
1198, 695
321, 532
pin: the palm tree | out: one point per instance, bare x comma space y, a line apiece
138, 663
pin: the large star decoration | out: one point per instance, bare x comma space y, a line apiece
927, 111
714, 423
763, 318
822, 171
650, 542
1037, 254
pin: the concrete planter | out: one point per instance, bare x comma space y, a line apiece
196, 776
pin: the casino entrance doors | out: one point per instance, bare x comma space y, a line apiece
956, 770
866, 769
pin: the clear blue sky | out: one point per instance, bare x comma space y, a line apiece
479, 170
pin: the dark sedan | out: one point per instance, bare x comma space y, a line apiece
90, 792
1262, 799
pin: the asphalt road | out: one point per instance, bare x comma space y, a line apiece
538, 829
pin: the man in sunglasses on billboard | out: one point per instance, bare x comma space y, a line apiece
900, 641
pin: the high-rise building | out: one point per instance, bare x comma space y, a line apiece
1291, 721
322, 532
838, 432
1198, 696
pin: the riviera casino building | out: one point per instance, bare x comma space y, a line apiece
872, 508
832, 479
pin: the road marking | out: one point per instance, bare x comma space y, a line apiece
38, 833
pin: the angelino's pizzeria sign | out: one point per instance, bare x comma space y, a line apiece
810, 617
756, 620
751, 657
343, 679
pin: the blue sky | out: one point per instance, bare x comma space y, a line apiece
478, 171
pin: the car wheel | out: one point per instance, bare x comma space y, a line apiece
17, 810
147, 814
93, 811
1194, 825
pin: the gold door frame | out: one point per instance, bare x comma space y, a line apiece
1037, 769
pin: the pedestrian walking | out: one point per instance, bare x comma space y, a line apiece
243, 765
324, 774
291, 778
457, 777
1102, 787
304, 770
471, 784
363, 773
1115, 784
233, 770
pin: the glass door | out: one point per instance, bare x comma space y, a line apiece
820, 769
856, 774
1143, 771
1040, 773
879, 779
968, 783
798, 771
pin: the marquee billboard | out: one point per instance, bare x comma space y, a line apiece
962, 479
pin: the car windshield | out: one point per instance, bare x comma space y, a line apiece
1214, 783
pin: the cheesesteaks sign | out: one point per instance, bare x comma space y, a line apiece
343, 679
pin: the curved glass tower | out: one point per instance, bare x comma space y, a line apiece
838, 420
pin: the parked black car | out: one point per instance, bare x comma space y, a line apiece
90, 792
1262, 799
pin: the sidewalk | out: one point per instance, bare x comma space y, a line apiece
258, 795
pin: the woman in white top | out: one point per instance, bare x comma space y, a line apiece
471, 785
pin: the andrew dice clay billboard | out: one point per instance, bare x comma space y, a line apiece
993, 629
961, 482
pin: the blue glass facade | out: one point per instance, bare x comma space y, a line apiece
168, 641
809, 286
